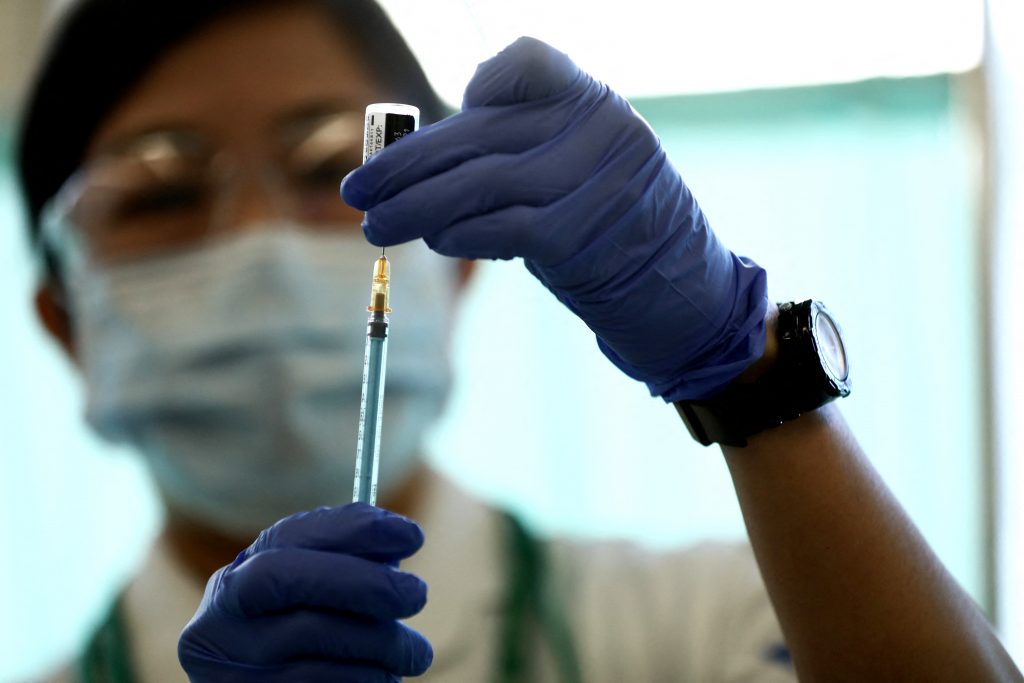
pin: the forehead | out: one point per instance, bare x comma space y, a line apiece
242, 74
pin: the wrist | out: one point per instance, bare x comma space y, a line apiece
802, 367
771, 349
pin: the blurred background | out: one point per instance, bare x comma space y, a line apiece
867, 154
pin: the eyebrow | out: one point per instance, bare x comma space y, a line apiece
128, 140
317, 109
296, 115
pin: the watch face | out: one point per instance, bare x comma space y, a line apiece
830, 345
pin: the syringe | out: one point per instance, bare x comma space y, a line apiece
374, 366
385, 123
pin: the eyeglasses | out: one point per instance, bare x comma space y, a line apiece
171, 189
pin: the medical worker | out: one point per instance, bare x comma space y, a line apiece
180, 161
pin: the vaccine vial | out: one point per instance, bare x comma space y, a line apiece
385, 123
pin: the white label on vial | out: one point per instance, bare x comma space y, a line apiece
383, 128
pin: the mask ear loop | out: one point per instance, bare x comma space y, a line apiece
62, 248
62, 252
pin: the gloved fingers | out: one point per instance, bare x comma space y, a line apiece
476, 188
595, 161
206, 668
524, 96
550, 234
307, 635
465, 136
488, 236
612, 236
278, 580
355, 529
526, 70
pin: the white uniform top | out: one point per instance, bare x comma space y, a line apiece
699, 614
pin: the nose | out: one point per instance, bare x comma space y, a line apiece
254, 197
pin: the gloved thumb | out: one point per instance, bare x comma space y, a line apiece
526, 70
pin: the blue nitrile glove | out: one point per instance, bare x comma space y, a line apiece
546, 163
315, 598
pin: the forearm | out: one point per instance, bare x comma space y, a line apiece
858, 592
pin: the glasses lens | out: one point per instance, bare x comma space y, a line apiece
168, 190
322, 151
152, 195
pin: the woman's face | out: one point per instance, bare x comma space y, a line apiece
243, 85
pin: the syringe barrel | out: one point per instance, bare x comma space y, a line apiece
364, 488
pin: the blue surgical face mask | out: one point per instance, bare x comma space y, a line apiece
235, 369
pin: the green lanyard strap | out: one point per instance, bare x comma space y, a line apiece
106, 657
529, 603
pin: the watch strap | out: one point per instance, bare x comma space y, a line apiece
730, 417
794, 385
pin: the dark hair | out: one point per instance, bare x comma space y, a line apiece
101, 48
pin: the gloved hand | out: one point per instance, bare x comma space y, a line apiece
545, 163
315, 598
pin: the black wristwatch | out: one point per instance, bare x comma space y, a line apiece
811, 370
